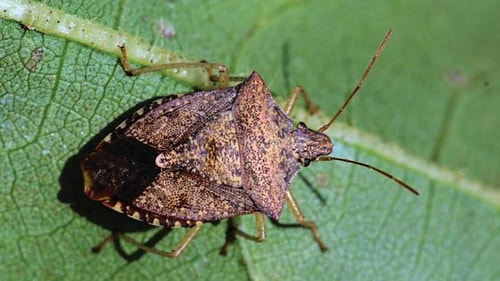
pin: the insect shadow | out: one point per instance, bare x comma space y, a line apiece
71, 193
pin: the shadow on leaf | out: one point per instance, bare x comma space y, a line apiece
71, 193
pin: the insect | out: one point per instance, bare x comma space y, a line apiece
210, 155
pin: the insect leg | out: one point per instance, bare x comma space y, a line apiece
301, 220
261, 230
223, 78
233, 231
177, 251
296, 91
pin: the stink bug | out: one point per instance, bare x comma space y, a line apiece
208, 156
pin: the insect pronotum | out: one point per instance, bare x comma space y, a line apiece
210, 155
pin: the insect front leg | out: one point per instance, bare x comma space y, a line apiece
301, 220
177, 251
296, 91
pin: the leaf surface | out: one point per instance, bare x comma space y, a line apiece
428, 114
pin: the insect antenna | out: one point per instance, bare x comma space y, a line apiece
361, 81
384, 173
342, 108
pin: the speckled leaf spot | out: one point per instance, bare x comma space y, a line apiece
208, 156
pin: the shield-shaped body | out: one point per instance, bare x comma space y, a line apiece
200, 157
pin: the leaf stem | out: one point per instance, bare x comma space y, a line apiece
45, 19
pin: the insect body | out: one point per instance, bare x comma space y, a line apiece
207, 156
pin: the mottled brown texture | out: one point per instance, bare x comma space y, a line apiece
211, 155
263, 132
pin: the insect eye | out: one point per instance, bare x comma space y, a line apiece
306, 162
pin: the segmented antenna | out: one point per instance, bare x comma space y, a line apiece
361, 81
348, 100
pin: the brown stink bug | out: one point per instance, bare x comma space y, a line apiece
208, 156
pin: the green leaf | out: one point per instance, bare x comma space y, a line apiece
427, 114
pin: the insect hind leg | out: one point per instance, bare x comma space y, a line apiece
177, 251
